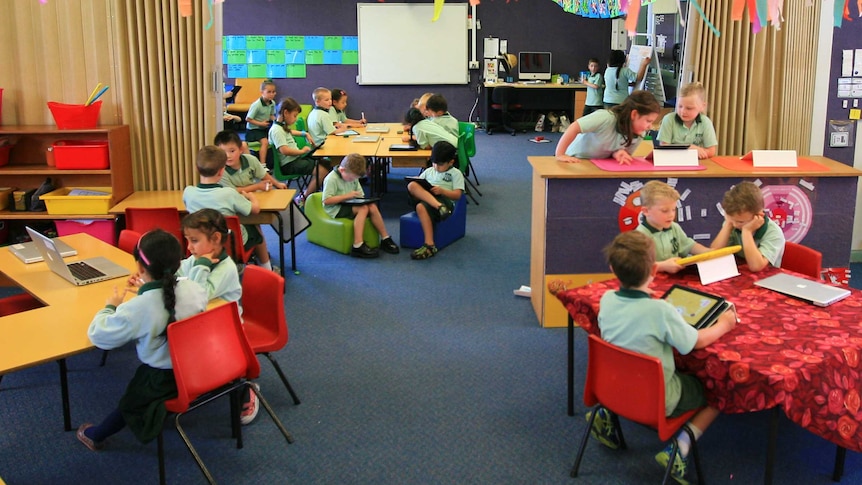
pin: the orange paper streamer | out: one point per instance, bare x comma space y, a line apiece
632, 16
185, 8
737, 9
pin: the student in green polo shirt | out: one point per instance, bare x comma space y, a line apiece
688, 125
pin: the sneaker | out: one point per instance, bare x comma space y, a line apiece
299, 200
680, 464
424, 252
250, 408
444, 212
603, 429
389, 246
364, 252
89, 443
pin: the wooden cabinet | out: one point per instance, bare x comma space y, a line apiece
28, 166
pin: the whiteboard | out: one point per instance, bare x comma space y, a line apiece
398, 44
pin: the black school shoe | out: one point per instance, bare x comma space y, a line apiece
389, 246
364, 252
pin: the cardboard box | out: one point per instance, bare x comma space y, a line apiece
61, 202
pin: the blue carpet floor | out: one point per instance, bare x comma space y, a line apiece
425, 372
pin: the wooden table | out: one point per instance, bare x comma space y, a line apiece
785, 355
272, 204
58, 329
578, 208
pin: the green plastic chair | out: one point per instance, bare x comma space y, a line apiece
464, 166
334, 233
469, 132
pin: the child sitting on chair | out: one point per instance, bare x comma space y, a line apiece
243, 172
342, 184
435, 203
631, 319
745, 224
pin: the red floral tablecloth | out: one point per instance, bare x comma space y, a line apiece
785, 352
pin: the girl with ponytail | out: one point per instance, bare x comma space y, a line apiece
160, 300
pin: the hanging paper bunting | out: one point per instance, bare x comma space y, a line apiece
438, 7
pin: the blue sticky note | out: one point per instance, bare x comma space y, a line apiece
274, 42
276, 71
237, 70
314, 42
234, 42
350, 43
332, 57
256, 56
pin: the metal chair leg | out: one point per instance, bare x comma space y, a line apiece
584, 439
283, 377
838, 471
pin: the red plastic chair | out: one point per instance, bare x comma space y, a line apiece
211, 358
21, 302
235, 248
263, 315
630, 385
129, 240
145, 219
802, 259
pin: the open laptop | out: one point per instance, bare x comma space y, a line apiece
818, 294
80, 273
698, 309
366, 139
29, 253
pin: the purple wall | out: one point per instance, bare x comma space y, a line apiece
845, 37
528, 25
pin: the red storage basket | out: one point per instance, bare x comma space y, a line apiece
75, 116
81, 154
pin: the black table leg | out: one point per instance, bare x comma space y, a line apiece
64, 391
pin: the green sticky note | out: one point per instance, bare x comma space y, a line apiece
296, 70
294, 42
332, 42
257, 70
275, 57
350, 57
314, 57
236, 57
255, 42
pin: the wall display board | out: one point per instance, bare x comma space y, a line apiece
285, 56
399, 44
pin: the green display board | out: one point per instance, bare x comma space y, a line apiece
285, 56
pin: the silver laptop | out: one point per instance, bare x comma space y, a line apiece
818, 294
366, 139
80, 273
29, 253
376, 129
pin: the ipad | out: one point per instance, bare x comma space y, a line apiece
395, 147
697, 308
361, 200
424, 183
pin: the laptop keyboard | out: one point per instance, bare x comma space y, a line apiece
84, 271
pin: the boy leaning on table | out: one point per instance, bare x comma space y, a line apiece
745, 224
631, 319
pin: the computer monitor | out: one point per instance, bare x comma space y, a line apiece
534, 66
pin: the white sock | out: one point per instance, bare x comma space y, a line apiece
356, 245
684, 441
266, 265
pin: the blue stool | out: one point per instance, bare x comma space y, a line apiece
445, 232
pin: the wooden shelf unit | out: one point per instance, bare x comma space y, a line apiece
28, 166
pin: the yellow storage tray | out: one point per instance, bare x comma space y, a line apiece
60, 202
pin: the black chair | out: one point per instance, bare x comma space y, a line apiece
505, 100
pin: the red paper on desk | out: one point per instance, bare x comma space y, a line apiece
639, 164
738, 165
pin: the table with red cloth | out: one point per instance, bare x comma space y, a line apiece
785, 353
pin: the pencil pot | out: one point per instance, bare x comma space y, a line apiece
75, 116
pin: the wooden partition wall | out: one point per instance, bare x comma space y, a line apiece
163, 71
760, 86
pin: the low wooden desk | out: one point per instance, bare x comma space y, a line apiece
272, 203
566, 98
577, 209
58, 329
